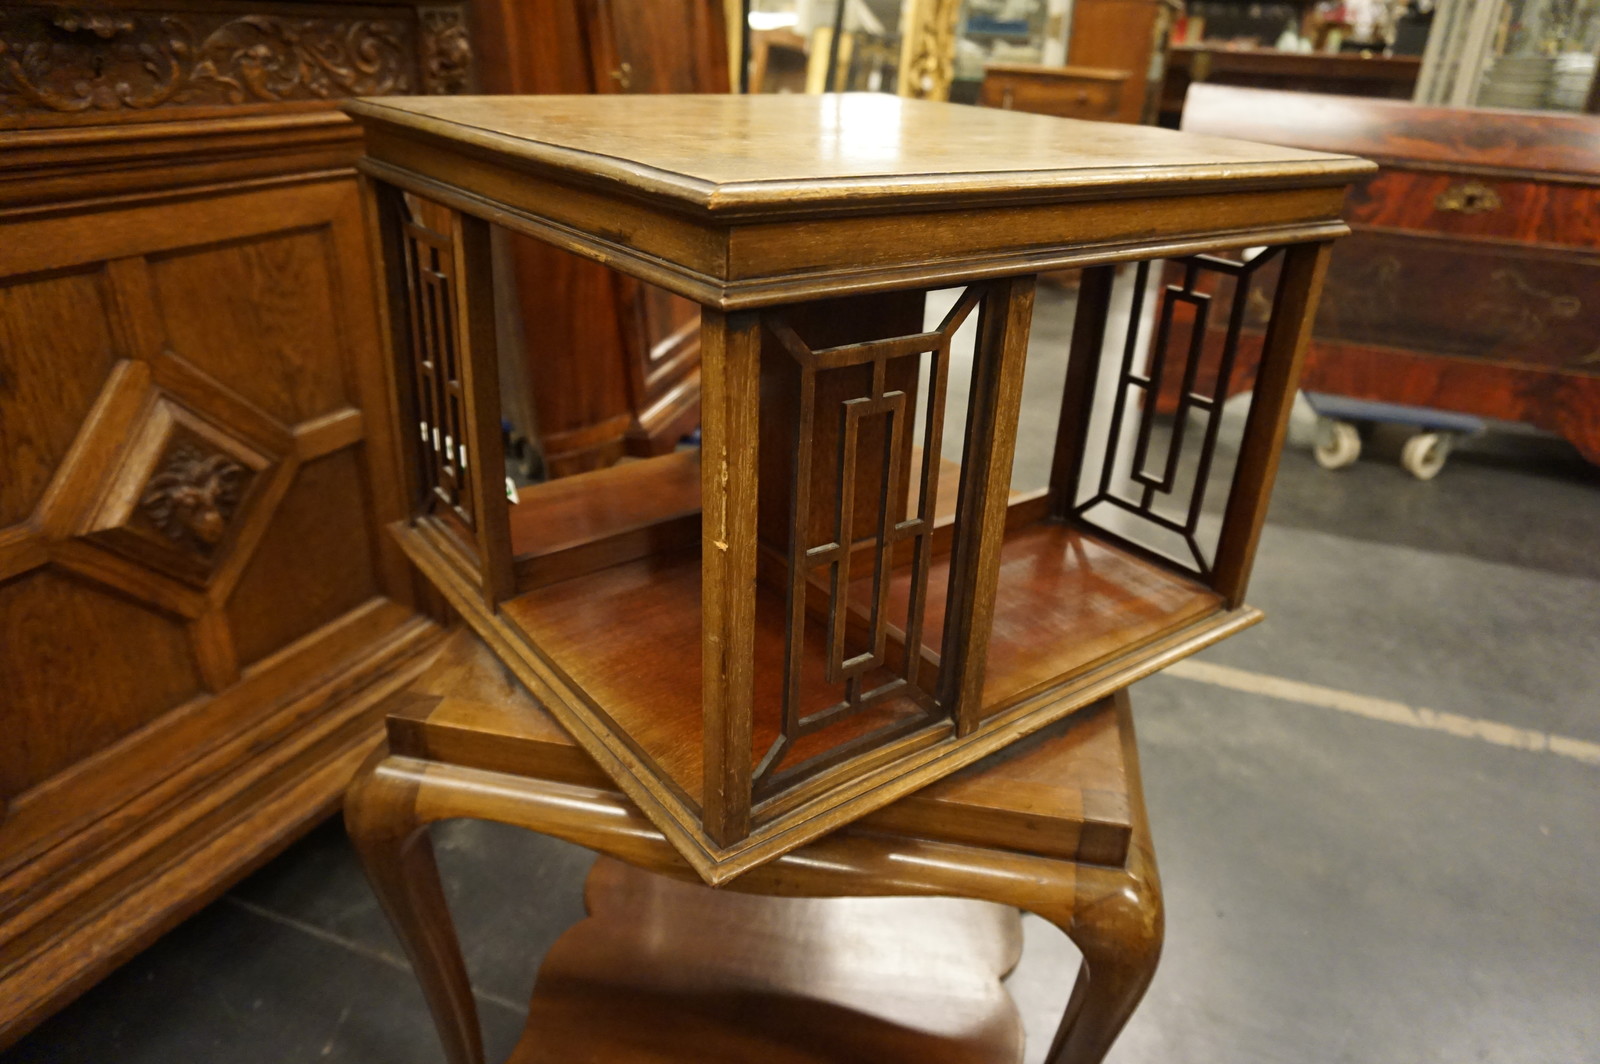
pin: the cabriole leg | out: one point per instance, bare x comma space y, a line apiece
397, 856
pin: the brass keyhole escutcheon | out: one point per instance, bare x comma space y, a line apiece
1469, 197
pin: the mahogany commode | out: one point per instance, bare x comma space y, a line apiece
1469, 283
820, 612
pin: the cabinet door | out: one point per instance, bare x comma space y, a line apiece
662, 46
196, 470
659, 46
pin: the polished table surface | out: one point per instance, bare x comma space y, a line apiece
727, 153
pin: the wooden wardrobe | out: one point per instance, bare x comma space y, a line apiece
199, 605
1129, 35
610, 366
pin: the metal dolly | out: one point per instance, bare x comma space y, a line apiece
1423, 455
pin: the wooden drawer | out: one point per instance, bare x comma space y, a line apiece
1094, 96
1468, 205
1506, 304
1440, 295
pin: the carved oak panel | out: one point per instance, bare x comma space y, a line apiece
342, 578
198, 610
65, 642
183, 489
269, 339
75, 61
57, 353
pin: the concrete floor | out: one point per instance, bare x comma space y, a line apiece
1349, 877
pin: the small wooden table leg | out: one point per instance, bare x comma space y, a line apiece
1113, 915
1117, 922
397, 854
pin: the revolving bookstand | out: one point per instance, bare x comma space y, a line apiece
839, 598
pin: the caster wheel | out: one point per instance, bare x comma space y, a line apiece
1338, 444
1423, 454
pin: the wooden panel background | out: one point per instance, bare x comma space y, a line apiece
200, 609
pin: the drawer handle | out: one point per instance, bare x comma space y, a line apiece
623, 76
1469, 197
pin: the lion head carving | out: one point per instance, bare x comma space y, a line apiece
193, 496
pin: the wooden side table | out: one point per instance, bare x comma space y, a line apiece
1054, 825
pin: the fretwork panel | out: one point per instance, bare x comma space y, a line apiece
1155, 475
874, 515
436, 369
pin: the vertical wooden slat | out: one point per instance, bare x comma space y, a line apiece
388, 439
799, 544
991, 441
384, 211
887, 537
480, 378
214, 650
839, 572
1083, 372
1282, 352
730, 355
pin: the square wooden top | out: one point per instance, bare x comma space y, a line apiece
734, 155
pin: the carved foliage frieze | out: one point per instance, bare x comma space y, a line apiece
445, 51
63, 61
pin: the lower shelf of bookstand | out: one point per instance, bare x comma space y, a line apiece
615, 655
783, 981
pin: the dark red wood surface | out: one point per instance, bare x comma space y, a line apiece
1492, 310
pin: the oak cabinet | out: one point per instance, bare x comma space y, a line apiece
199, 609
1129, 35
1066, 92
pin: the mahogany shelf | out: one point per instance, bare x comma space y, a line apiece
578, 524
628, 635
1066, 603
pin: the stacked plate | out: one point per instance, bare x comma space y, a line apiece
1520, 81
1573, 74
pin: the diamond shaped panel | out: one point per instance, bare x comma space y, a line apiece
181, 493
